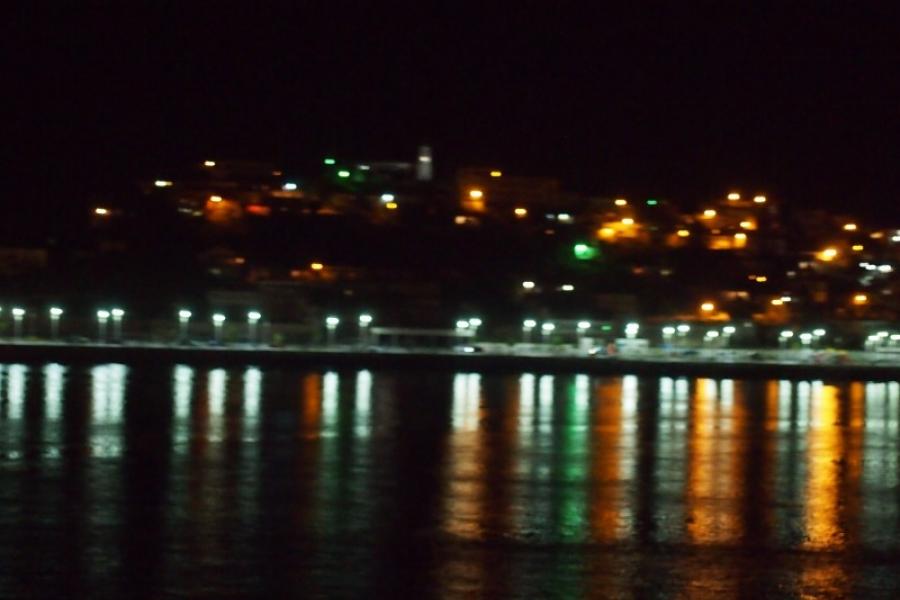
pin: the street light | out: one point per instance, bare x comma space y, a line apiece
218, 320
55, 314
364, 321
253, 318
117, 314
631, 330
546, 331
667, 332
102, 319
18, 314
683, 330
784, 337
331, 323
184, 317
474, 323
727, 332
528, 326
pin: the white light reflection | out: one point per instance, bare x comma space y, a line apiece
466, 395
526, 402
362, 425
252, 394
329, 403
108, 393
545, 405
183, 383
54, 382
16, 375
216, 382
582, 391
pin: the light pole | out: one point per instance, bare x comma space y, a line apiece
820, 335
784, 337
581, 328
253, 318
18, 314
461, 326
528, 326
667, 332
117, 314
184, 319
682, 330
547, 331
364, 321
102, 319
474, 323
806, 339
55, 314
727, 332
331, 324
631, 330
218, 320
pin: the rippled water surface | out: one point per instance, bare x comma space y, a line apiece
197, 483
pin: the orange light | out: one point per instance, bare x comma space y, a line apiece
747, 225
607, 232
476, 194
734, 196
521, 212
707, 307
215, 198
850, 227
709, 213
860, 299
316, 266
683, 233
259, 209
828, 254
740, 237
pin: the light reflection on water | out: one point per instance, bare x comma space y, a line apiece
238, 480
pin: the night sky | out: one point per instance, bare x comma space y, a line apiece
800, 102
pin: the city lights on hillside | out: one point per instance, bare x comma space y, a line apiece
828, 254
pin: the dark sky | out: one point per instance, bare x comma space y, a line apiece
800, 100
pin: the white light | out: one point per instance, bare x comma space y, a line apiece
582, 325
117, 313
806, 337
885, 268
103, 314
364, 167
254, 316
162, 183
56, 311
462, 324
548, 327
332, 321
18, 312
365, 319
568, 287
895, 337
289, 186
475, 322
818, 332
528, 285
386, 197
895, 238
184, 314
209, 163
684, 328
728, 330
529, 323
669, 330
712, 334
425, 159
564, 217
883, 334
218, 318
787, 334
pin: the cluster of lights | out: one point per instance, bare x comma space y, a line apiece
880, 268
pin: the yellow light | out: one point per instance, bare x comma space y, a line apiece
860, 299
101, 211
475, 194
162, 183
391, 206
496, 173
707, 307
521, 212
709, 213
740, 236
850, 227
746, 224
857, 248
621, 202
209, 163
777, 301
734, 196
215, 198
759, 199
761, 279
607, 232
316, 266
877, 235
828, 254
459, 220
627, 221
683, 233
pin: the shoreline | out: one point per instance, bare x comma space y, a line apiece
350, 357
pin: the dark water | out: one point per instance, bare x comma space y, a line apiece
181, 482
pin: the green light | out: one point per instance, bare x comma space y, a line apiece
584, 252
606, 327
652, 202
344, 174
329, 161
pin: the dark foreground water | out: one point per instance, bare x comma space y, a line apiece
194, 483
